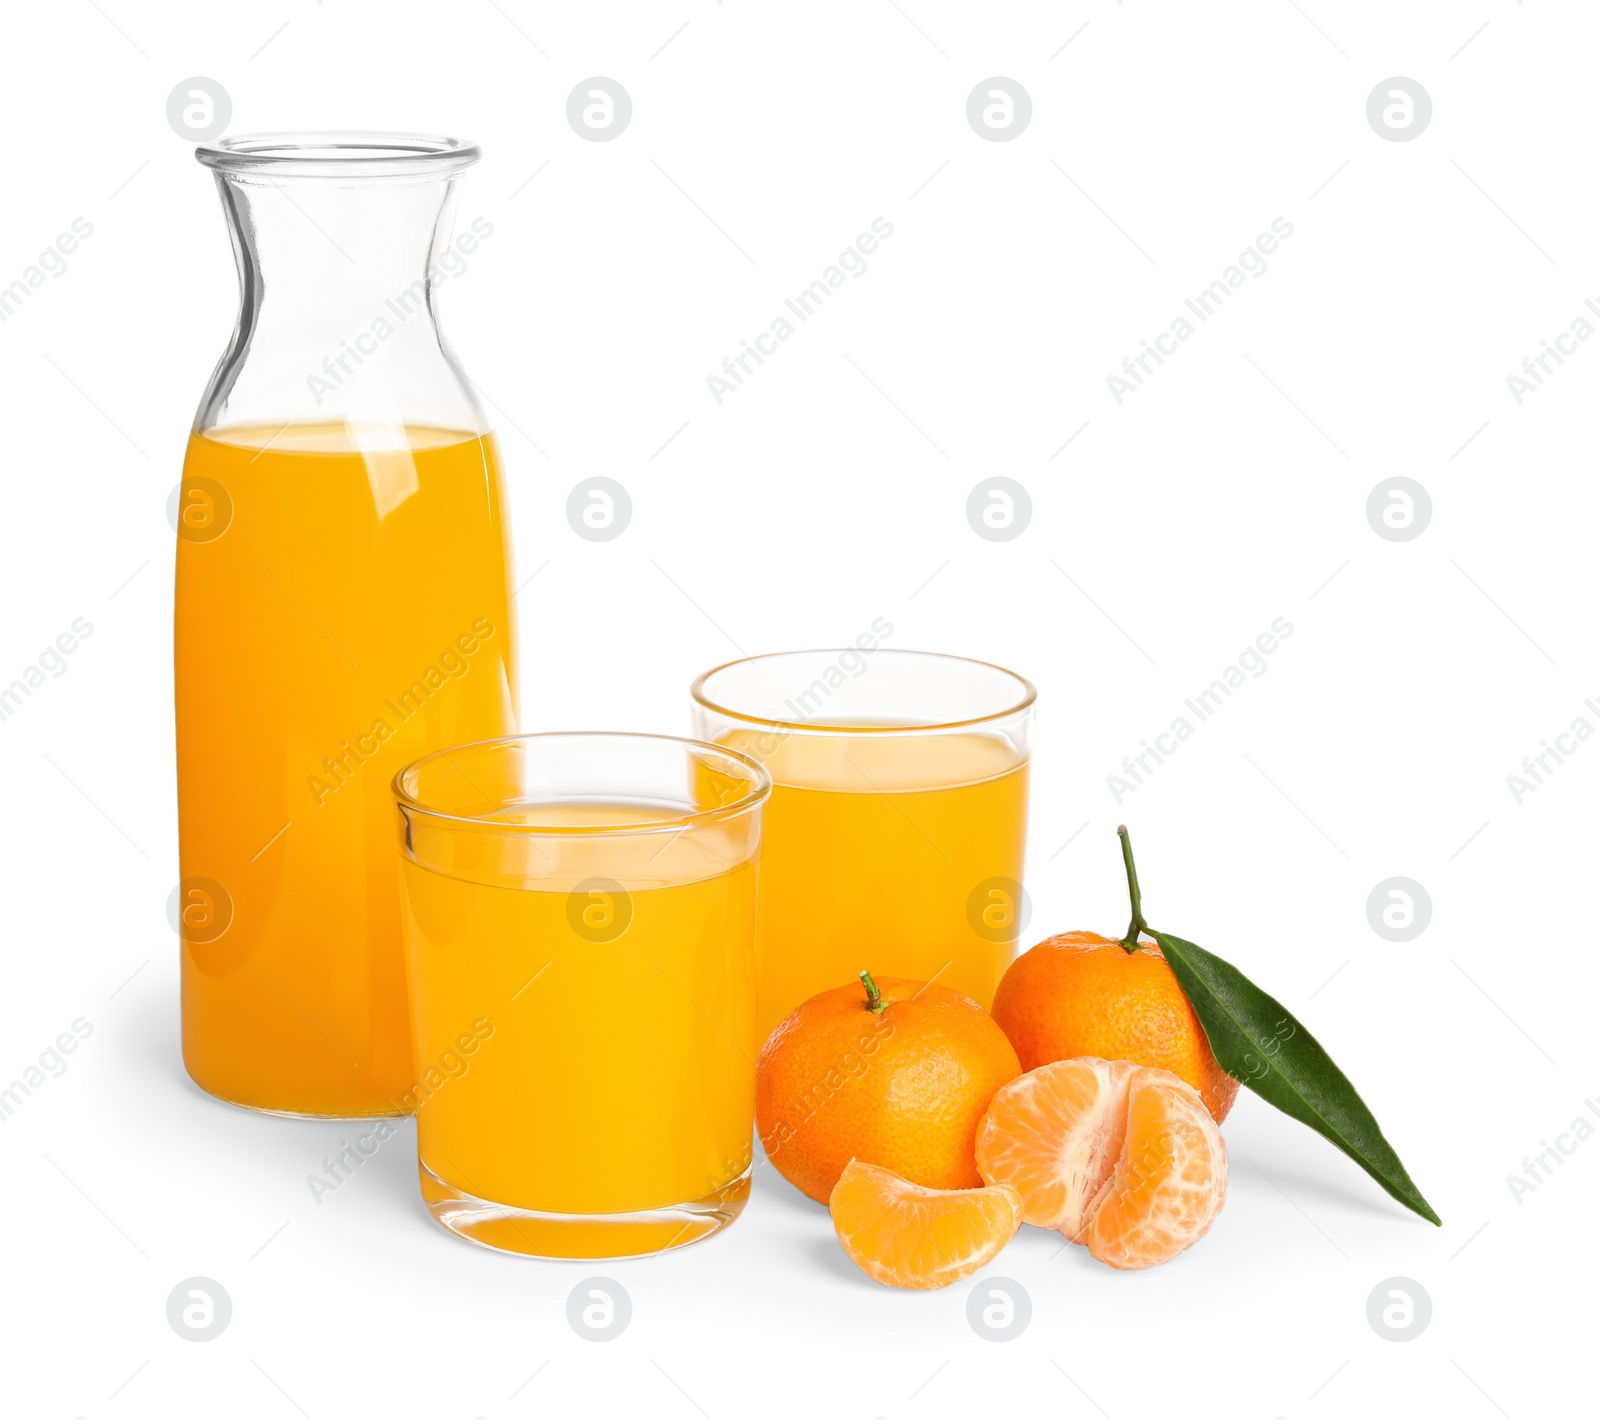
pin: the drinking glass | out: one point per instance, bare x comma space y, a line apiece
579, 923
894, 837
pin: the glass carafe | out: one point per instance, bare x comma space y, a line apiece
343, 607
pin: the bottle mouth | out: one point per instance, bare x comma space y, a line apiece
341, 156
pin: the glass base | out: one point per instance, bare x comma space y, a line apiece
581, 1235
300, 1113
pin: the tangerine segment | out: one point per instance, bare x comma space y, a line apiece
1055, 1135
905, 1235
1169, 1183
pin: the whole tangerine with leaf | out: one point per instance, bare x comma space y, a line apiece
890, 1072
1156, 999
1079, 993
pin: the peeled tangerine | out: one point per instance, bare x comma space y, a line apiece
904, 1235
1123, 1158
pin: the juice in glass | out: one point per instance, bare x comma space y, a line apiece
583, 990
895, 834
341, 608
873, 847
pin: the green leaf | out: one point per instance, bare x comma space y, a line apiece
1259, 1043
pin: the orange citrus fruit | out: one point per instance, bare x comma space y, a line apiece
905, 1235
894, 1073
1123, 1158
1082, 994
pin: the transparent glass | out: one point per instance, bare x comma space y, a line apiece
895, 836
343, 606
580, 935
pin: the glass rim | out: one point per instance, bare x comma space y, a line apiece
754, 771
338, 154
697, 692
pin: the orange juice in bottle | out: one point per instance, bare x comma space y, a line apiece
343, 605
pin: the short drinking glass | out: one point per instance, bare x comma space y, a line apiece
579, 921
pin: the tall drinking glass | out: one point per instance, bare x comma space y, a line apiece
579, 923
894, 837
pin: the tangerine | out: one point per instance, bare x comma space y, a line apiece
893, 1073
1079, 994
1123, 1158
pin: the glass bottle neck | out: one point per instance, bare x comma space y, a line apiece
336, 318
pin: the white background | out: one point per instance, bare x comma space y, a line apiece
1167, 532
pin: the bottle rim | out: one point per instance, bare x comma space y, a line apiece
344, 155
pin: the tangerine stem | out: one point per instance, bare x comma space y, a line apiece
1136, 925
875, 1002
